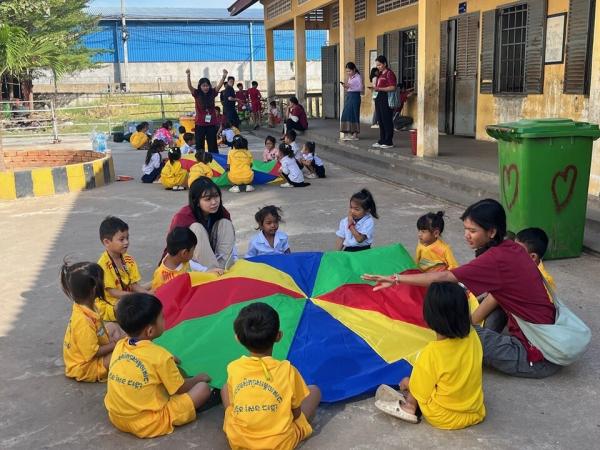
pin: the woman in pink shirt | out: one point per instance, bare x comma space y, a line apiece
350, 122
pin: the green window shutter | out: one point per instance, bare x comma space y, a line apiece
380, 45
488, 52
534, 49
359, 59
577, 58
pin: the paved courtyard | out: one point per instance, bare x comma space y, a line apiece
40, 408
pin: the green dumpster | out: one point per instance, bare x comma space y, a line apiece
544, 170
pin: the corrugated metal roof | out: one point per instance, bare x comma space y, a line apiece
240, 6
195, 14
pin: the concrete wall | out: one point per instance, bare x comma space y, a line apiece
144, 76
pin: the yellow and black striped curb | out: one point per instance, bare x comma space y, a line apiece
40, 182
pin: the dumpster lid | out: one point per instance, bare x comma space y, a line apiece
542, 128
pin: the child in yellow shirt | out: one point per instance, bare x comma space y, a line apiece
535, 241
433, 254
201, 168
254, 418
140, 139
446, 380
180, 137
146, 394
173, 176
239, 161
88, 343
121, 273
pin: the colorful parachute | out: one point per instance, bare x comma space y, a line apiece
264, 172
340, 334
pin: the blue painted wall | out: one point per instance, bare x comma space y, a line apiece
197, 41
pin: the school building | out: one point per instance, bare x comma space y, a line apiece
472, 63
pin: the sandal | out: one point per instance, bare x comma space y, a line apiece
394, 409
386, 393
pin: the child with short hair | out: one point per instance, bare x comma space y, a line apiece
173, 176
88, 342
432, 253
146, 394
356, 230
265, 424
140, 139
153, 163
227, 134
269, 240
289, 168
201, 168
535, 241
180, 139
289, 138
274, 115
188, 142
270, 152
242, 100
312, 162
121, 273
239, 163
446, 379
255, 104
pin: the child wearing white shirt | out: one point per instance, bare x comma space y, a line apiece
356, 231
188, 142
289, 168
312, 162
269, 240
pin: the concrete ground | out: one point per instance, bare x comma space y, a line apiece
40, 408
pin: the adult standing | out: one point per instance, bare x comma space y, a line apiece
207, 120
350, 122
386, 83
229, 99
512, 284
296, 116
206, 216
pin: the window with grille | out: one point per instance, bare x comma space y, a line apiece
335, 16
316, 15
512, 41
408, 58
277, 7
302, 1
360, 9
384, 6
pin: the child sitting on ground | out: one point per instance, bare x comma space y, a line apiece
446, 380
289, 138
173, 176
201, 168
180, 132
289, 168
146, 394
433, 254
274, 115
239, 162
188, 142
88, 343
312, 162
227, 134
254, 419
140, 139
269, 240
356, 230
121, 273
270, 152
535, 241
153, 163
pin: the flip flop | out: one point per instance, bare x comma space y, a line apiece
124, 178
394, 409
386, 393
213, 400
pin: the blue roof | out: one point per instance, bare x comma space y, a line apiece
190, 14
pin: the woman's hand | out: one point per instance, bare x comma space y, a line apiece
381, 281
225, 73
188, 71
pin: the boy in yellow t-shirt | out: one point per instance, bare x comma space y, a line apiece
146, 394
433, 254
121, 273
267, 404
535, 241
140, 139
239, 161
201, 168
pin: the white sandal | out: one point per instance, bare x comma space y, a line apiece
390, 401
386, 393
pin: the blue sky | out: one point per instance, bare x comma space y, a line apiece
174, 3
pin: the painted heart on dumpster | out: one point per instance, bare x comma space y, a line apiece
563, 185
510, 185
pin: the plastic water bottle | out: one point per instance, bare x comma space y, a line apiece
99, 142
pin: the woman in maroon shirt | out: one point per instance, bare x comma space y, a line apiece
207, 120
386, 82
504, 271
296, 117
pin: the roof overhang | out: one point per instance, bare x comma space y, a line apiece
240, 6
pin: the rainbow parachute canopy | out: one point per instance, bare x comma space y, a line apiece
340, 334
264, 172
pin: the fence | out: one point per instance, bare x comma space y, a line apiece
57, 118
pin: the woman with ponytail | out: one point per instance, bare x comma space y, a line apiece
510, 284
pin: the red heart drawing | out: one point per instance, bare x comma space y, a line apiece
559, 203
509, 200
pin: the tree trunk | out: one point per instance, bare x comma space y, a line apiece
27, 87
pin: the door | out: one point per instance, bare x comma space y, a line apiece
330, 81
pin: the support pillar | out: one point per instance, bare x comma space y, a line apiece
270, 55
594, 105
347, 44
428, 73
300, 58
